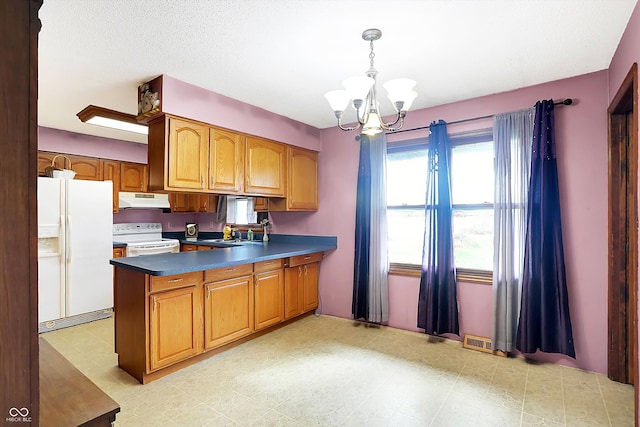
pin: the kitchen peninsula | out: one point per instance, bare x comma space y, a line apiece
173, 310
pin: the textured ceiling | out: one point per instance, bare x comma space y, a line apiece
283, 55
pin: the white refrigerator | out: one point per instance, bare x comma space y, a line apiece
75, 245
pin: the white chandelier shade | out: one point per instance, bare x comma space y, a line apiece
361, 92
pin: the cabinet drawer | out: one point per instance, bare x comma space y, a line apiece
224, 273
295, 261
163, 283
273, 264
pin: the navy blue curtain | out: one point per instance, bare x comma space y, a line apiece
544, 322
360, 301
438, 301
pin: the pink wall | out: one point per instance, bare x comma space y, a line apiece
186, 100
582, 157
627, 53
92, 146
581, 134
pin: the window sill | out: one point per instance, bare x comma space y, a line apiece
463, 275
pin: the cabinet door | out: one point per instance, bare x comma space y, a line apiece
133, 177
207, 203
310, 292
269, 298
228, 311
187, 247
226, 161
293, 291
86, 168
119, 252
303, 180
183, 202
111, 172
188, 157
45, 160
261, 204
173, 328
265, 168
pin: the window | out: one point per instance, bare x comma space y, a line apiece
240, 210
472, 198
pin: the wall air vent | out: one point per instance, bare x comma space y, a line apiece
483, 344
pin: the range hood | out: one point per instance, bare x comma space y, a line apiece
143, 201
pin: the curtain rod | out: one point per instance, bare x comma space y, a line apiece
567, 101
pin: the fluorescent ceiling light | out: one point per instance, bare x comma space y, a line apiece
112, 119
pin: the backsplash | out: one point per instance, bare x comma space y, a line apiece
169, 221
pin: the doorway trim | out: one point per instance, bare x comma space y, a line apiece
622, 345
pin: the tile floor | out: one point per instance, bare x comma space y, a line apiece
325, 371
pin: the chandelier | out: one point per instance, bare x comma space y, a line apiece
361, 91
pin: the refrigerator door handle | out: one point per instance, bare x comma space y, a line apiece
69, 231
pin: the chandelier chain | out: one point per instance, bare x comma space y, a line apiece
371, 54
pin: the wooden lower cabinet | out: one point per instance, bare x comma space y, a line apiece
301, 284
269, 298
174, 319
188, 247
228, 311
310, 286
120, 252
163, 323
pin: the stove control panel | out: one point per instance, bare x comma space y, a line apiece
137, 228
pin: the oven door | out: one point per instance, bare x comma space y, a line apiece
150, 248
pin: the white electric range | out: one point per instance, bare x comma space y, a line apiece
144, 238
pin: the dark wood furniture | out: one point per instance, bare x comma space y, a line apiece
67, 397
19, 28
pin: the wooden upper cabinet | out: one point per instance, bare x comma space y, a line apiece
133, 177
226, 161
302, 182
265, 168
303, 179
86, 167
45, 159
188, 158
111, 172
207, 203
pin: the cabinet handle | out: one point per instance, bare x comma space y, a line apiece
154, 304
305, 270
205, 206
307, 257
202, 181
211, 182
299, 271
230, 270
208, 292
175, 280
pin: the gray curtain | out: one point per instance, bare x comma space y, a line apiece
512, 139
371, 264
221, 214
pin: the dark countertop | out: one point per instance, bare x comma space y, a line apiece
279, 246
119, 245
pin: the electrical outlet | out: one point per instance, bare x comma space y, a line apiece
169, 225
